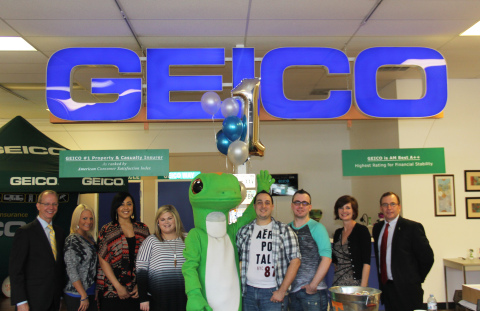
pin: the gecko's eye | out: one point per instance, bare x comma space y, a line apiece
197, 186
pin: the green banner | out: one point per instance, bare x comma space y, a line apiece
114, 163
368, 162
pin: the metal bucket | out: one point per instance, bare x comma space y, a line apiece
354, 298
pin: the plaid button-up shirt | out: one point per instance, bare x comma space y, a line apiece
285, 249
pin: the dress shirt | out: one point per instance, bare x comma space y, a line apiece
391, 230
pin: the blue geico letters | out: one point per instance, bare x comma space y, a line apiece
59, 99
160, 83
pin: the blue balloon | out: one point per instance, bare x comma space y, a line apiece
222, 142
232, 127
244, 127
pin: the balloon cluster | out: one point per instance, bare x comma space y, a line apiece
231, 138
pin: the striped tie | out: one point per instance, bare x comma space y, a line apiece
53, 242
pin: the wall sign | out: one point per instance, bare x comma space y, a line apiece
161, 83
114, 163
367, 162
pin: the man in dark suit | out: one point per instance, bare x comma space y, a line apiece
36, 260
406, 257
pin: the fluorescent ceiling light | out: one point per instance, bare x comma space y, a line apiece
15, 44
472, 31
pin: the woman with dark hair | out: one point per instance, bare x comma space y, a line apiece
159, 264
118, 245
351, 246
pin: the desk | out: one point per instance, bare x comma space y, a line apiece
462, 265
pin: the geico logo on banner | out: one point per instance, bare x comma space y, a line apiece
160, 83
33, 181
98, 181
6, 228
30, 150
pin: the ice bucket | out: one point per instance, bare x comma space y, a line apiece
353, 298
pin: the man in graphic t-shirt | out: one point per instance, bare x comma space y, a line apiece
269, 258
309, 290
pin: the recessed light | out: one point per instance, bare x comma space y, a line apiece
15, 44
472, 31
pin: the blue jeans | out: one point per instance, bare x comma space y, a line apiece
258, 299
301, 301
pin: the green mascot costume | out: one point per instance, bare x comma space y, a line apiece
211, 270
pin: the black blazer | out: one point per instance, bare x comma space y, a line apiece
34, 273
412, 256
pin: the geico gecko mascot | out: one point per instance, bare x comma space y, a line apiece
211, 270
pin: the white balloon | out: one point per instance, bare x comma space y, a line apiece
238, 152
230, 107
210, 102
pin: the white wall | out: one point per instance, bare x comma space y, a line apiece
450, 237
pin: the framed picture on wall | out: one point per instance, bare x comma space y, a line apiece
473, 208
444, 193
472, 180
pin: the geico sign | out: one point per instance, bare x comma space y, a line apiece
97, 181
6, 228
275, 62
30, 150
33, 181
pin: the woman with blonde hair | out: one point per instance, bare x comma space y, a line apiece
159, 264
80, 254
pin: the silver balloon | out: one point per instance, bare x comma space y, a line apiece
248, 91
243, 191
210, 102
238, 152
230, 107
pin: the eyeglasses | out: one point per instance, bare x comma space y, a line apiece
49, 204
303, 203
392, 204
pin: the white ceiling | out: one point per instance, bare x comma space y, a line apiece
51, 25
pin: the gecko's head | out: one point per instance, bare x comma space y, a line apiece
215, 192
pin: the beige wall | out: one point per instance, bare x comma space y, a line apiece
450, 237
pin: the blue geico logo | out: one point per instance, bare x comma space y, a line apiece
161, 83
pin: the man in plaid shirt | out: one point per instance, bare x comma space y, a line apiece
269, 258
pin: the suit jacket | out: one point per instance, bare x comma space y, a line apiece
411, 259
35, 275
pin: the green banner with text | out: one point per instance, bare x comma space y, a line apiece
114, 163
368, 162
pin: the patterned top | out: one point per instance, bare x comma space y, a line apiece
285, 249
81, 262
159, 273
344, 271
113, 248
314, 246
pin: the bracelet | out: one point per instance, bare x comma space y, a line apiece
83, 299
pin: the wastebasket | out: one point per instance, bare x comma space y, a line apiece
355, 298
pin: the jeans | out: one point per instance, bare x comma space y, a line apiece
258, 299
301, 301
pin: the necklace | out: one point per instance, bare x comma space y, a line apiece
167, 242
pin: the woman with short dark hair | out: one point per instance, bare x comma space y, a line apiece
351, 251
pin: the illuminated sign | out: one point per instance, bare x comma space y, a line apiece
160, 83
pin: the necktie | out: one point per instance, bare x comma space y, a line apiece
53, 242
383, 256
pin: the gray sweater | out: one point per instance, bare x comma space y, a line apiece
81, 262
